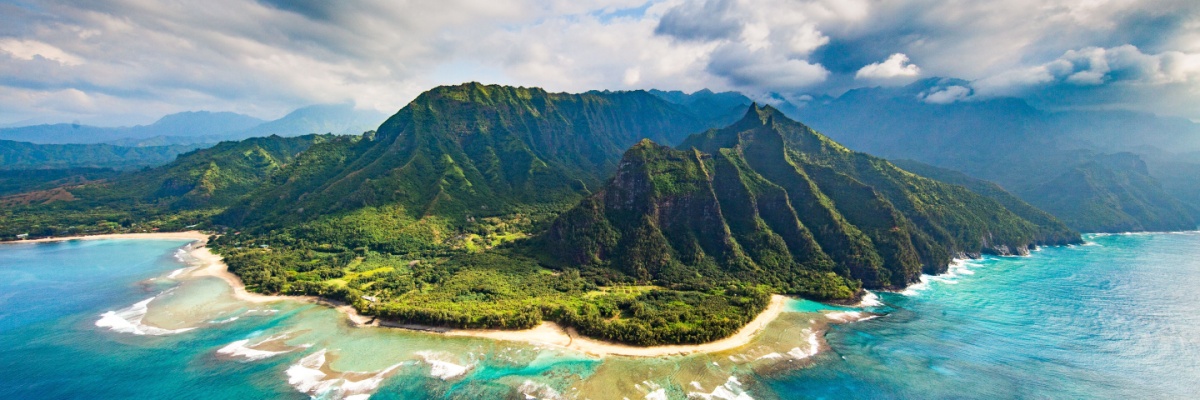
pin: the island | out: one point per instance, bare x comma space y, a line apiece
499, 208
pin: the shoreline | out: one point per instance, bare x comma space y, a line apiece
548, 333
186, 235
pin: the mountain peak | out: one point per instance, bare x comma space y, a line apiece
476, 92
761, 115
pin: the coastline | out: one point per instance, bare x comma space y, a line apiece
547, 333
186, 235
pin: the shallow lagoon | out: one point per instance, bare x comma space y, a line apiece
1113, 319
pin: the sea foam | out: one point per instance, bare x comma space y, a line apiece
870, 300
308, 377
129, 320
844, 316
731, 390
957, 268
536, 390
814, 346
440, 368
244, 350
241, 349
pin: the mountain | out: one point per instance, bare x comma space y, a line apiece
20, 181
476, 150
338, 119
1031, 153
1115, 131
480, 206
186, 124
1180, 179
183, 192
984, 188
1112, 193
725, 106
21, 155
770, 201
203, 127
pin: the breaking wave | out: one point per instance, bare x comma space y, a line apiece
440, 368
730, 390
310, 376
129, 320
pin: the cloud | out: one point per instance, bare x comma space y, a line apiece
752, 69
896, 66
946, 95
267, 57
1094, 66
30, 49
707, 20
761, 46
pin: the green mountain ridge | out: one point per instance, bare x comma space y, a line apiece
471, 150
22, 155
186, 191
501, 207
985, 188
1112, 193
768, 200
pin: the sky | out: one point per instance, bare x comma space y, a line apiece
122, 62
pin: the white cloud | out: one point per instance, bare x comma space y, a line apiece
29, 49
896, 66
1092, 66
266, 57
946, 95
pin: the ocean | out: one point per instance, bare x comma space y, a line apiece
125, 319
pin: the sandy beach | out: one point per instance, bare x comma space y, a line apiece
189, 235
548, 333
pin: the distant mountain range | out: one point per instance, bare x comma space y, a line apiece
1092, 169
1098, 171
195, 127
28, 156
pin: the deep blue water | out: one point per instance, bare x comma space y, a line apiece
1116, 319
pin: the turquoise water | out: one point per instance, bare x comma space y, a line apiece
1114, 319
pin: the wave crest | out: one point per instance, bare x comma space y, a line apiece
129, 320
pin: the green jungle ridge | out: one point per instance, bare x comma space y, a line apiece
501, 207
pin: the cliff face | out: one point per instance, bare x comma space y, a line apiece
768, 200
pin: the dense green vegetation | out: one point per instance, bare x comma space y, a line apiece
28, 180
497, 289
1112, 193
184, 193
474, 150
21, 155
769, 201
492, 207
990, 190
